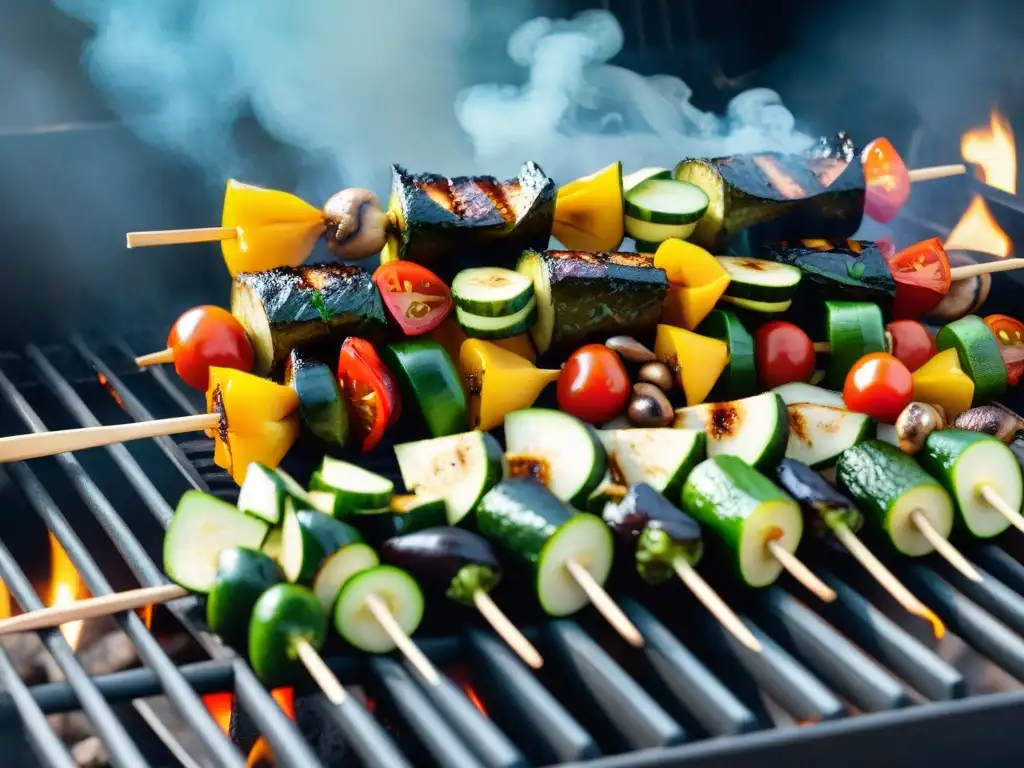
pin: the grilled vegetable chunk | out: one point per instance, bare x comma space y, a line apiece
584, 296
786, 196
290, 307
498, 220
851, 270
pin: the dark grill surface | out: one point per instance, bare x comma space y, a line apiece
833, 682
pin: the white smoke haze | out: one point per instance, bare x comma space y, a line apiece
355, 88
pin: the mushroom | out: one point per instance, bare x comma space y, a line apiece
630, 349
964, 296
649, 407
658, 374
915, 423
992, 420
356, 225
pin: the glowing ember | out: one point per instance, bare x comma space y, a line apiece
5, 601
146, 614
261, 751
219, 706
978, 231
105, 383
992, 149
65, 587
460, 676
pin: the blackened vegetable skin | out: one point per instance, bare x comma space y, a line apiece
655, 531
845, 270
784, 196
447, 222
824, 507
587, 297
452, 561
290, 307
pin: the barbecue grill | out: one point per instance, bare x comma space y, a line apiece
847, 682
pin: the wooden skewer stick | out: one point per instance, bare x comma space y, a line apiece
973, 270
998, 503
91, 608
319, 671
36, 444
181, 236
822, 347
506, 630
887, 579
715, 605
946, 550
801, 572
937, 172
155, 358
605, 605
409, 649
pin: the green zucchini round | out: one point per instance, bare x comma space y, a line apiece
321, 404
854, 329
428, 377
979, 356
739, 379
398, 592
284, 614
243, 575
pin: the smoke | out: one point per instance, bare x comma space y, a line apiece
576, 112
354, 88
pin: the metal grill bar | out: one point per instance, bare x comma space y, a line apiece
119, 744
40, 735
176, 688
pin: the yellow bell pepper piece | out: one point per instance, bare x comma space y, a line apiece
259, 420
688, 264
275, 229
499, 382
697, 361
520, 345
941, 381
687, 307
589, 212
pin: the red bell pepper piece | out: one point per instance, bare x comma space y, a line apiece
417, 299
887, 180
370, 390
921, 272
1009, 333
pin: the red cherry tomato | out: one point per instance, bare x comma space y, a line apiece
1009, 333
208, 337
370, 391
417, 299
912, 344
922, 276
783, 353
887, 180
593, 385
880, 386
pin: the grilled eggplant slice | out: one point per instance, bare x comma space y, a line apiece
481, 219
584, 296
843, 270
784, 196
290, 307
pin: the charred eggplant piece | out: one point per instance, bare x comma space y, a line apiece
843, 270
823, 506
479, 218
784, 196
321, 403
654, 531
583, 297
290, 307
450, 561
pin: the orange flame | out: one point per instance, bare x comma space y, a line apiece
66, 587
219, 705
5, 600
992, 149
105, 383
261, 751
460, 676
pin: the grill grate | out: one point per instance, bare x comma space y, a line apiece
679, 701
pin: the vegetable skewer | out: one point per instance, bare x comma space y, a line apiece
463, 567
828, 511
664, 540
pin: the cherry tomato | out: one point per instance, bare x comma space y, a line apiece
880, 386
911, 343
1009, 334
370, 391
208, 337
922, 276
783, 353
417, 299
593, 385
887, 180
